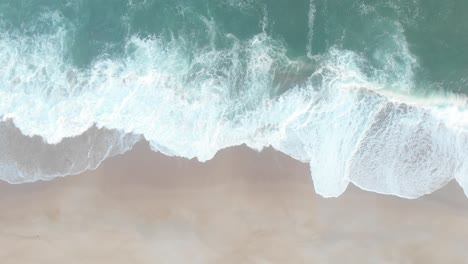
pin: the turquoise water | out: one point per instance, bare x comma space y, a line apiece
368, 92
434, 32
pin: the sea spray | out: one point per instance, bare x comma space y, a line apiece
194, 78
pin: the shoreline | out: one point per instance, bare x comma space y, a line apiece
240, 207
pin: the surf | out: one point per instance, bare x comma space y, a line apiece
354, 118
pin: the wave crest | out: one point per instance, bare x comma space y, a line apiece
325, 111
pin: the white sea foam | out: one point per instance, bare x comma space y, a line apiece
311, 21
29, 159
336, 117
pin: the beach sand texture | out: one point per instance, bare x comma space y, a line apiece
241, 207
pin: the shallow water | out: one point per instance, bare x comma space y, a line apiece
370, 93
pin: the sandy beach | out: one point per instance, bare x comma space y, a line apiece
241, 207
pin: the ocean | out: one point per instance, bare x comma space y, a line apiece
372, 93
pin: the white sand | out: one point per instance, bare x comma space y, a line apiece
241, 207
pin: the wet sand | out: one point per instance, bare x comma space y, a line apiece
241, 207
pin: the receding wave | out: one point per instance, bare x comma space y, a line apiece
28, 159
352, 122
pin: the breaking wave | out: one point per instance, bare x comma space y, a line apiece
351, 121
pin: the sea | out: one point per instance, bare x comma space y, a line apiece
368, 92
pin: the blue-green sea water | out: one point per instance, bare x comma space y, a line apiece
372, 93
